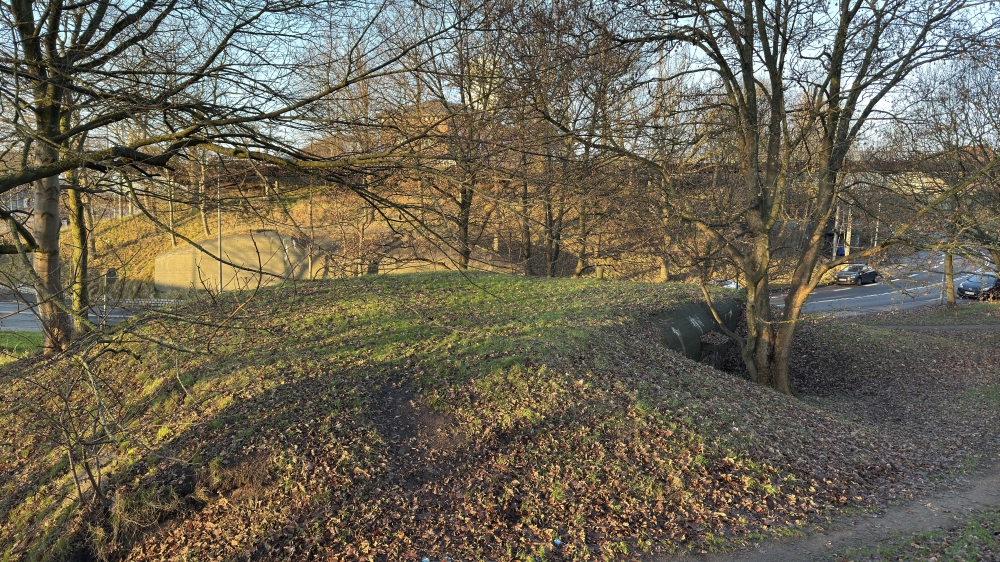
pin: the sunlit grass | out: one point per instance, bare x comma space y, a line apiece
15, 345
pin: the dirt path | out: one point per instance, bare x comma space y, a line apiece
933, 510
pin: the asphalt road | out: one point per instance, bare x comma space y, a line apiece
22, 317
917, 282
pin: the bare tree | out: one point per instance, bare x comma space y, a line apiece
795, 86
180, 74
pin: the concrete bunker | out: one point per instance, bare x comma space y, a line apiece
261, 258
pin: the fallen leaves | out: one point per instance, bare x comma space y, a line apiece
420, 417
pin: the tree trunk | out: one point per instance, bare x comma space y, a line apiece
78, 235
949, 278
170, 210
465, 195
202, 198
581, 259
553, 235
55, 320
88, 216
767, 350
525, 230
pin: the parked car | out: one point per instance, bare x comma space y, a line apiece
856, 274
981, 286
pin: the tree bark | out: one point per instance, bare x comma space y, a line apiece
553, 236
48, 286
581, 259
525, 228
949, 278
170, 209
88, 215
465, 196
78, 235
202, 197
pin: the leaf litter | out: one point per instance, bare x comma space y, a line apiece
423, 416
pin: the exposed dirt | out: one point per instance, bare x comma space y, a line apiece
414, 434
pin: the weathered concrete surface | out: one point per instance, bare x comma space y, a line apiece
682, 328
262, 257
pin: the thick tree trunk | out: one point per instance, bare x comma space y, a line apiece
768, 345
55, 320
949, 278
78, 235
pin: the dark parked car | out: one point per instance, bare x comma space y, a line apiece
856, 274
979, 286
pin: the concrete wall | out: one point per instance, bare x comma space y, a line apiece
270, 257
682, 328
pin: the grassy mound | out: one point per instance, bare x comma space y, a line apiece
398, 417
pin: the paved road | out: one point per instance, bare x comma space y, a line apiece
22, 317
915, 283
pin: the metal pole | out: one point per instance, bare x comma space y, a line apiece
218, 189
877, 223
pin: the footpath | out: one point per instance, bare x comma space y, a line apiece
930, 511
943, 508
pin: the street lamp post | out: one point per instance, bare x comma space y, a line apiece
218, 190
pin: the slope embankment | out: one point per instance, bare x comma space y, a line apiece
478, 417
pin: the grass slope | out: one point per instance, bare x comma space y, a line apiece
398, 417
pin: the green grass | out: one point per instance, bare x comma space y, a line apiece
14, 345
548, 408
